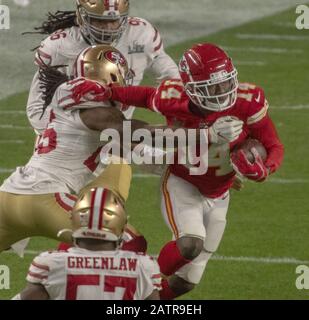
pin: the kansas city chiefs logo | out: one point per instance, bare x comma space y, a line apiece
115, 57
183, 65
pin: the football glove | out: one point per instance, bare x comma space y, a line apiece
225, 130
89, 90
255, 171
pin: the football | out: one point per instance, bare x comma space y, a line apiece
246, 147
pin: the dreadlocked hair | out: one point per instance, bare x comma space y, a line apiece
50, 79
56, 21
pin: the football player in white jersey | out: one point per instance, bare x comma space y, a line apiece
98, 22
94, 269
37, 198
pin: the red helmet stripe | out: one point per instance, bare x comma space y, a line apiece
109, 6
90, 222
103, 199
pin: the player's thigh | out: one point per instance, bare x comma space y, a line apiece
215, 221
182, 207
38, 215
53, 215
13, 227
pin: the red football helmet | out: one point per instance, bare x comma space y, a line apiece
209, 77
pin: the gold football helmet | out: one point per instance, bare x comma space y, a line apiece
104, 64
90, 11
99, 212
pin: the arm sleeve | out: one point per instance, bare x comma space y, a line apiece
150, 277
39, 270
263, 129
266, 133
137, 96
162, 65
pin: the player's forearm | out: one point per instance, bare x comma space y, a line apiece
268, 136
137, 96
275, 158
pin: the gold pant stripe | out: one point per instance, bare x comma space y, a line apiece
168, 205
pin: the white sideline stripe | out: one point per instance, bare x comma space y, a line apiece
268, 36
10, 126
263, 50
265, 260
11, 141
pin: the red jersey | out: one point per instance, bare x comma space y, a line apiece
251, 107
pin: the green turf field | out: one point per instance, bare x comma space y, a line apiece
268, 220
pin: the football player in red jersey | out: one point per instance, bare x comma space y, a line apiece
195, 206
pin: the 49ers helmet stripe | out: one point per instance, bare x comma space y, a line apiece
90, 222
102, 206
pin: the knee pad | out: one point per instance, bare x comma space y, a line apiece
190, 247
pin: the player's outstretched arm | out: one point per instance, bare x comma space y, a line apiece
88, 90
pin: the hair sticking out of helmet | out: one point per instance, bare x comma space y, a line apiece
209, 77
102, 21
104, 64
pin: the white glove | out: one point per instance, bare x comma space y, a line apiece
225, 130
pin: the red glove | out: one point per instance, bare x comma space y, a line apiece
90, 90
255, 171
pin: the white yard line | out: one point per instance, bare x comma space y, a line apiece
285, 24
256, 63
264, 260
271, 180
250, 63
5, 170
14, 112
12, 127
269, 36
154, 176
263, 50
12, 141
294, 108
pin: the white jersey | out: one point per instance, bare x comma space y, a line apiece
67, 154
141, 44
80, 274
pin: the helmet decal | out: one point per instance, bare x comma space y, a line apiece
115, 57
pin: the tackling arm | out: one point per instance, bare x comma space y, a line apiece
136, 95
